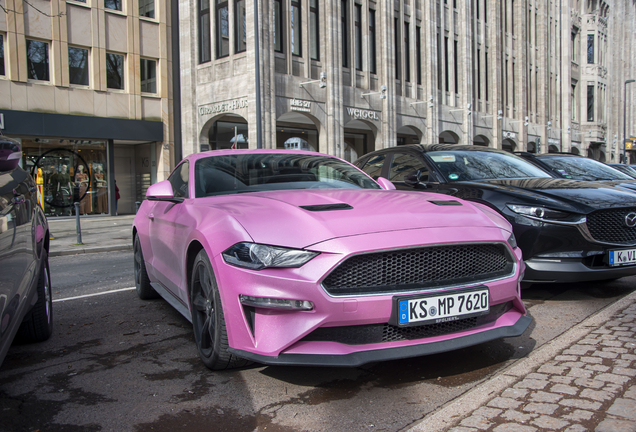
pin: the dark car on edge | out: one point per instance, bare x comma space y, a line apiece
26, 312
625, 169
568, 230
575, 167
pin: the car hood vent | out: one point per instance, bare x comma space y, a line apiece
327, 207
446, 203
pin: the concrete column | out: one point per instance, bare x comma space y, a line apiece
388, 133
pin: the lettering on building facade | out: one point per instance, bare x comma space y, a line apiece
363, 114
300, 105
221, 107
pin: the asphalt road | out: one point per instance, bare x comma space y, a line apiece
117, 363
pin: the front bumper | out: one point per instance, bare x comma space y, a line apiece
274, 336
571, 270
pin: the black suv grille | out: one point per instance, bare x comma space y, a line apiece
378, 333
419, 268
609, 226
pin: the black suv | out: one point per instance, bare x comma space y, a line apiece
26, 311
568, 230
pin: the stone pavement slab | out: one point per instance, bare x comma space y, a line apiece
99, 234
584, 380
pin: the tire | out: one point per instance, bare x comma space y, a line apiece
208, 321
38, 323
142, 282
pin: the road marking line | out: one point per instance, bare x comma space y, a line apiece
93, 295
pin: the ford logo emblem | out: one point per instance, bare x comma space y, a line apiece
630, 220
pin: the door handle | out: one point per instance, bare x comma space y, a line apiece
151, 216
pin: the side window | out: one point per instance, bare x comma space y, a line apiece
405, 164
373, 166
179, 180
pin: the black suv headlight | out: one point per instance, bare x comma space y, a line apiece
257, 256
538, 212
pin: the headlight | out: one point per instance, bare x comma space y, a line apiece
257, 256
512, 241
538, 212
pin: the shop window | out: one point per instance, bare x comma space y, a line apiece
296, 138
296, 28
240, 30
222, 29
148, 72
78, 65
113, 4
115, 71
38, 60
204, 31
147, 8
68, 171
314, 30
278, 26
228, 134
2, 54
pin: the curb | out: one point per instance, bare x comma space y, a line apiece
454, 411
80, 250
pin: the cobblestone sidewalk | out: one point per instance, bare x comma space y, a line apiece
587, 382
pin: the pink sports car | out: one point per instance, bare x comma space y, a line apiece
299, 258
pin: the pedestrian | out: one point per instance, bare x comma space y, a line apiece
117, 196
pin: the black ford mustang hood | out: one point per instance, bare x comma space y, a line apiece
568, 195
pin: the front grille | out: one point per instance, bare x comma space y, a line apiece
608, 226
419, 268
378, 333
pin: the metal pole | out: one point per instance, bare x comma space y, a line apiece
77, 223
259, 141
625, 122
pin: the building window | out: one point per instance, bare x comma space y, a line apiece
590, 103
345, 33
240, 30
78, 66
486, 11
38, 60
278, 26
418, 54
486, 74
372, 47
574, 115
358, 35
573, 49
2, 72
148, 72
446, 70
113, 4
296, 28
478, 74
439, 62
315, 30
147, 8
590, 49
456, 65
222, 29
396, 43
115, 71
204, 31
407, 53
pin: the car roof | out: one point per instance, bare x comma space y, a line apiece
242, 152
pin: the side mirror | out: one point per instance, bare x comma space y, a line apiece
10, 154
385, 184
162, 191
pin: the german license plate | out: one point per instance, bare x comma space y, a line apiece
443, 307
622, 257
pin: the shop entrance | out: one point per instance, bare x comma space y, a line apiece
359, 139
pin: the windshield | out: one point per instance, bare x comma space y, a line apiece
464, 165
256, 172
580, 168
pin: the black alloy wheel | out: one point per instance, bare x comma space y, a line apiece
208, 321
142, 282
38, 323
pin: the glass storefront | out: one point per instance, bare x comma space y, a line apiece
293, 138
225, 135
68, 171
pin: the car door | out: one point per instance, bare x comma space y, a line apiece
15, 230
168, 230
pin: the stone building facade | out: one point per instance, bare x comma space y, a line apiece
350, 76
86, 86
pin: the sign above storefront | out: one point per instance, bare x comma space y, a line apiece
221, 107
363, 114
553, 141
300, 105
